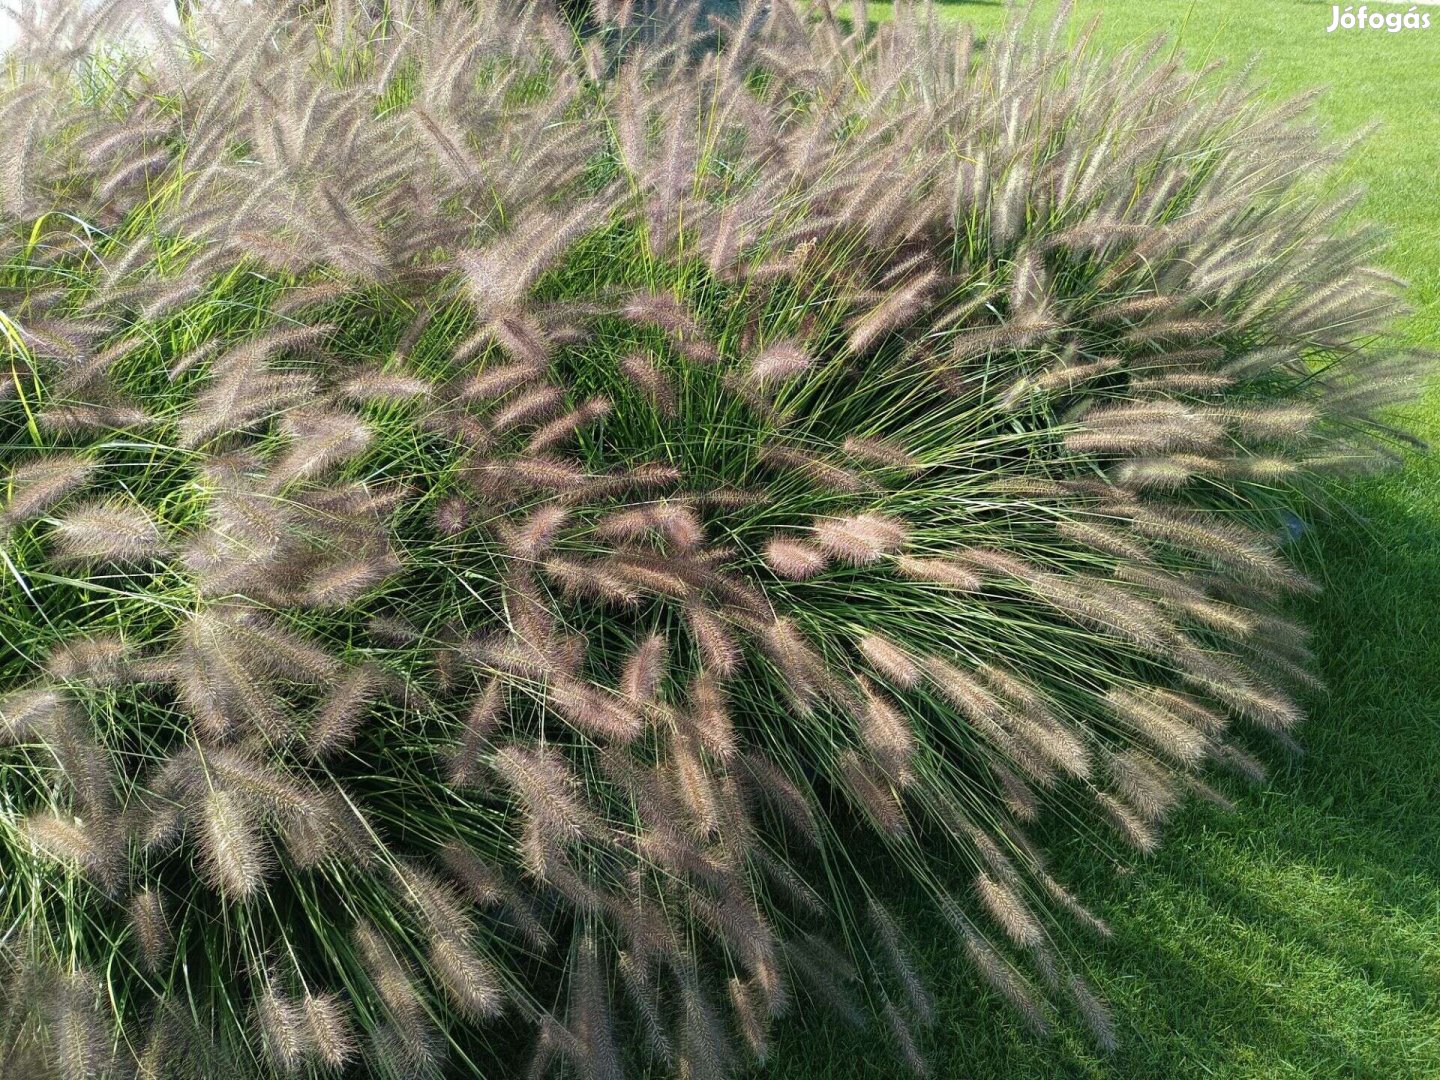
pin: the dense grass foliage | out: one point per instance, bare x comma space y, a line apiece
493, 521
1296, 935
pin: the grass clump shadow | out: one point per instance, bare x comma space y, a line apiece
1297, 933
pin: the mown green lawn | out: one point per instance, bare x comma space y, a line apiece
1300, 936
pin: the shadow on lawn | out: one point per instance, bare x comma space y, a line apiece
1299, 936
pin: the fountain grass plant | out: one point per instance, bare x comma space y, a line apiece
516, 540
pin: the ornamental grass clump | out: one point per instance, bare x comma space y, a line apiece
526, 542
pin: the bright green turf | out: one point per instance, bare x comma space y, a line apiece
1299, 937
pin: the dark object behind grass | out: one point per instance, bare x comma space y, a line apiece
493, 521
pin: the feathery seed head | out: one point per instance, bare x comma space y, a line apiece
861, 538
110, 531
794, 559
